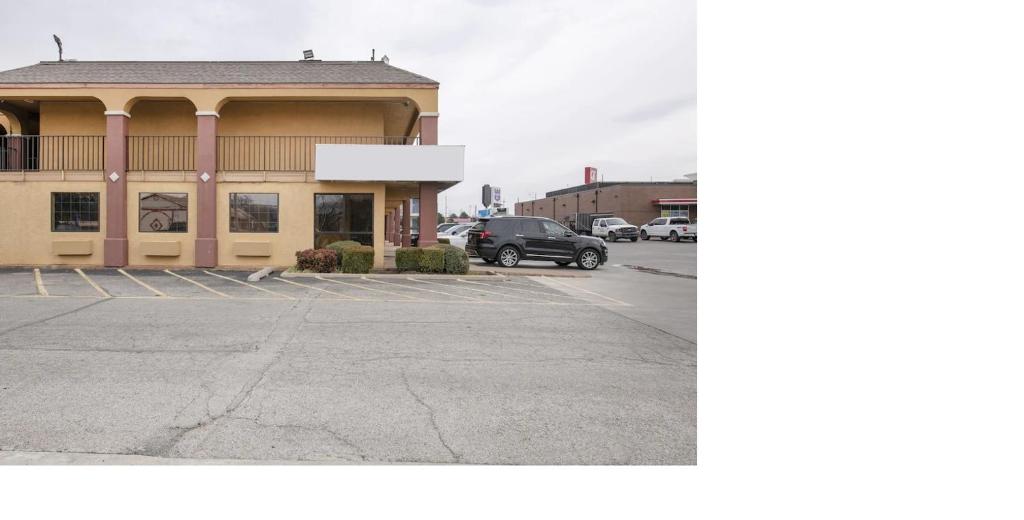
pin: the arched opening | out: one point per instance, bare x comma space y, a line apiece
162, 135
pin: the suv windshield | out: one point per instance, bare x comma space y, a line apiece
615, 222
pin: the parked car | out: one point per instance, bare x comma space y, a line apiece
669, 228
612, 229
583, 223
454, 230
456, 239
445, 226
508, 240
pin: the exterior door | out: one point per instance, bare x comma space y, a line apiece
559, 240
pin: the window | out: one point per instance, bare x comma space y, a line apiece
553, 228
677, 221
163, 212
414, 207
74, 211
658, 222
254, 212
347, 216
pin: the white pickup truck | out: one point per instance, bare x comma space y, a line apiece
665, 228
613, 228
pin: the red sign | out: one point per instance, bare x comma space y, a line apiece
589, 175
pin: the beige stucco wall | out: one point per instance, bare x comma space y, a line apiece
136, 237
296, 215
301, 118
151, 117
25, 236
71, 118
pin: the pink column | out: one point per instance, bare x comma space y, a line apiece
428, 190
115, 244
15, 146
428, 214
206, 190
406, 223
396, 227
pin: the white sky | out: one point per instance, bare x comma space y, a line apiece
535, 90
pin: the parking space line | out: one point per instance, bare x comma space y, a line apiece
40, 288
479, 290
93, 284
250, 285
420, 289
542, 293
140, 282
367, 288
347, 297
411, 279
617, 302
197, 284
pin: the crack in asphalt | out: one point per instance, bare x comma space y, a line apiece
162, 447
433, 418
55, 316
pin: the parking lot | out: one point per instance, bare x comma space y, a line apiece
138, 365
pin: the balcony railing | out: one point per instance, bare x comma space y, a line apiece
285, 153
174, 153
162, 153
51, 153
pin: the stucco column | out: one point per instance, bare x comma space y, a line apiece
206, 189
406, 223
396, 227
428, 214
428, 129
115, 151
15, 147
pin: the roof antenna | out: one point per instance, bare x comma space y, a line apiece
385, 59
373, 54
60, 48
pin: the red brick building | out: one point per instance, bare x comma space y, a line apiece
636, 202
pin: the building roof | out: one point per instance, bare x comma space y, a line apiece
212, 72
604, 184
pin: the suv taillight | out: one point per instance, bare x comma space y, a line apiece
684, 228
485, 234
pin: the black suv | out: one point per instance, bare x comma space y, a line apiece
507, 240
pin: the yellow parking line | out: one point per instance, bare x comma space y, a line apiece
40, 288
613, 300
93, 284
250, 285
347, 297
477, 290
140, 282
542, 293
197, 284
425, 289
367, 288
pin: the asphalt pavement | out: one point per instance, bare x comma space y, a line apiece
150, 366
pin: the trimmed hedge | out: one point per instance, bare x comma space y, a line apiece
357, 259
408, 258
432, 260
316, 260
456, 261
339, 248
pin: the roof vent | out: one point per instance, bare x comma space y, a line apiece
385, 59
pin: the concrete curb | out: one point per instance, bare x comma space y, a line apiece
261, 274
287, 274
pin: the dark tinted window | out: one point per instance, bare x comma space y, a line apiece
75, 212
163, 212
500, 225
343, 216
553, 228
679, 221
254, 212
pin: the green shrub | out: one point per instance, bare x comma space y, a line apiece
408, 258
432, 260
456, 261
357, 259
339, 248
316, 260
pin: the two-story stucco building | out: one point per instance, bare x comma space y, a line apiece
214, 163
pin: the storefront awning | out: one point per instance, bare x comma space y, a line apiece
672, 202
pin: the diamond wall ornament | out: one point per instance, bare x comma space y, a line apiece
205, 176
114, 176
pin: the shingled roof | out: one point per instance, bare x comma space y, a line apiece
213, 72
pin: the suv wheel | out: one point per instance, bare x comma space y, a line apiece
589, 259
611, 236
644, 235
508, 256
674, 236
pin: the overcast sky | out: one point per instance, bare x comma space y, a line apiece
535, 90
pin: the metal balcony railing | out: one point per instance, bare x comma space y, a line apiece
51, 153
161, 153
286, 153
